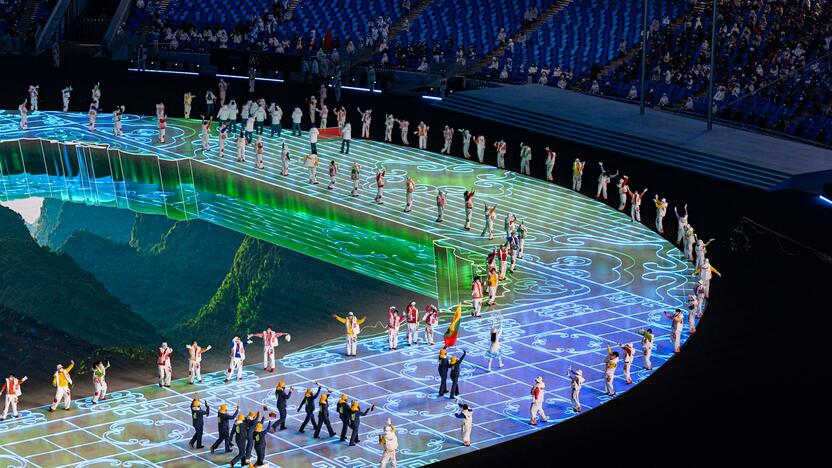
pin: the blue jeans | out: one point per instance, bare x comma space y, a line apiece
345, 143
296, 128
277, 128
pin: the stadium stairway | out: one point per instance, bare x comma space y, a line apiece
560, 127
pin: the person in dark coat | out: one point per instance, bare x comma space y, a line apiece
224, 428
343, 409
355, 420
444, 367
323, 416
260, 442
308, 404
240, 432
282, 397
455, 368
198, 418
251, 425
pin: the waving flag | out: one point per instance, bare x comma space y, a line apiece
453, 330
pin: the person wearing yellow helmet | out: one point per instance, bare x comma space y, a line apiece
308, 404
224, 427
444, 367
198, 419
240, 432
456, 367
355, 420
251, 424
343, 409
259, 437
323, 416
282, 397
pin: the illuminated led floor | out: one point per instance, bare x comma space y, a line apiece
589, 278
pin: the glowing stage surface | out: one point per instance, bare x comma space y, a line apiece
589, 278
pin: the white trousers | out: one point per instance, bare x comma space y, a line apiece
404, 138
285, 168
429, 333
609, 379
409, 201
388, 134
164, 374
389, 456
576, 398
537, 409
117, 129
466, 146
635, 213
524, 166
194, 371
100, 389
468, 213
441, 213
522, 247
676, 336
313, 175
477, 306
622, 197
465, 428
356, 184
11, 401
481, 154
627, 366
447, 147
352, 345
161, 133
412, 333
379, 194
268, 357
423, 141
61, 393
187, 111
392, 338
647, 351
501, 160
602, 191
503, 265
576, 183
66, 104
549, 169
492, 293
236, 364
659, 223
365, 130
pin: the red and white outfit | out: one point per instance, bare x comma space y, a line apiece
537, 393
448, 134
476, 294
163, 125
270, 342
469, 209
13, 392
163, 362
194, 362
411, 314
629, 353
500, 146
502, 254
431, 319
394, 321
422, 132
333, 174
380, 185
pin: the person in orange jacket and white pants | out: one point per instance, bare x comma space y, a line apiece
12, 388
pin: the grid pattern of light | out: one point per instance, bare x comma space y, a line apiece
589, 278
